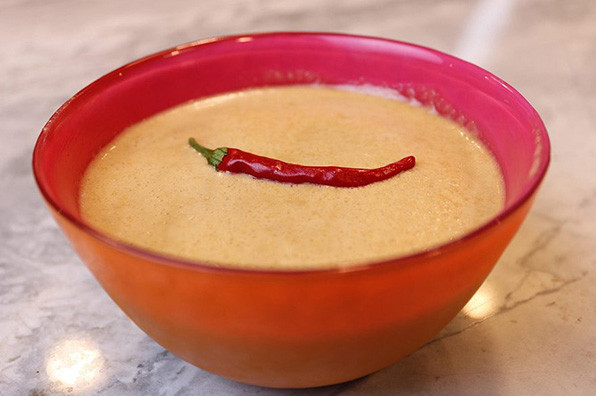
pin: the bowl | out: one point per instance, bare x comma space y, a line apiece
299, 328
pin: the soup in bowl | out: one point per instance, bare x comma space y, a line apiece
297, 301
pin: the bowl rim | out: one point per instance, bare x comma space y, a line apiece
206, 266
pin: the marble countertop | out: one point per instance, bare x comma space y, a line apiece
531, 328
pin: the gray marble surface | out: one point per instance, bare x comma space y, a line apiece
531, 329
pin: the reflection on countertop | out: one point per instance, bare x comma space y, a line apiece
528, 330
75, 365
482, 305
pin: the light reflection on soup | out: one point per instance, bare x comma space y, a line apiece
151, 189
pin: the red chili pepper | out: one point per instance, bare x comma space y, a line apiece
238, 161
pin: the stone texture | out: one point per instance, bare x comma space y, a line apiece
529, 330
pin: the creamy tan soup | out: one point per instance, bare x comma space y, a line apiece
151, 189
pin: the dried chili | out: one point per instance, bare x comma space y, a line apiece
238, 161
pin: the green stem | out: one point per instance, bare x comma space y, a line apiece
214, 157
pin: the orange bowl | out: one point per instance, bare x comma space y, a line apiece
299, 328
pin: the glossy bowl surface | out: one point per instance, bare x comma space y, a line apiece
301, 328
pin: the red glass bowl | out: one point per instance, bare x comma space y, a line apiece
300, 328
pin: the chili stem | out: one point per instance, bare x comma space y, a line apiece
214, 157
